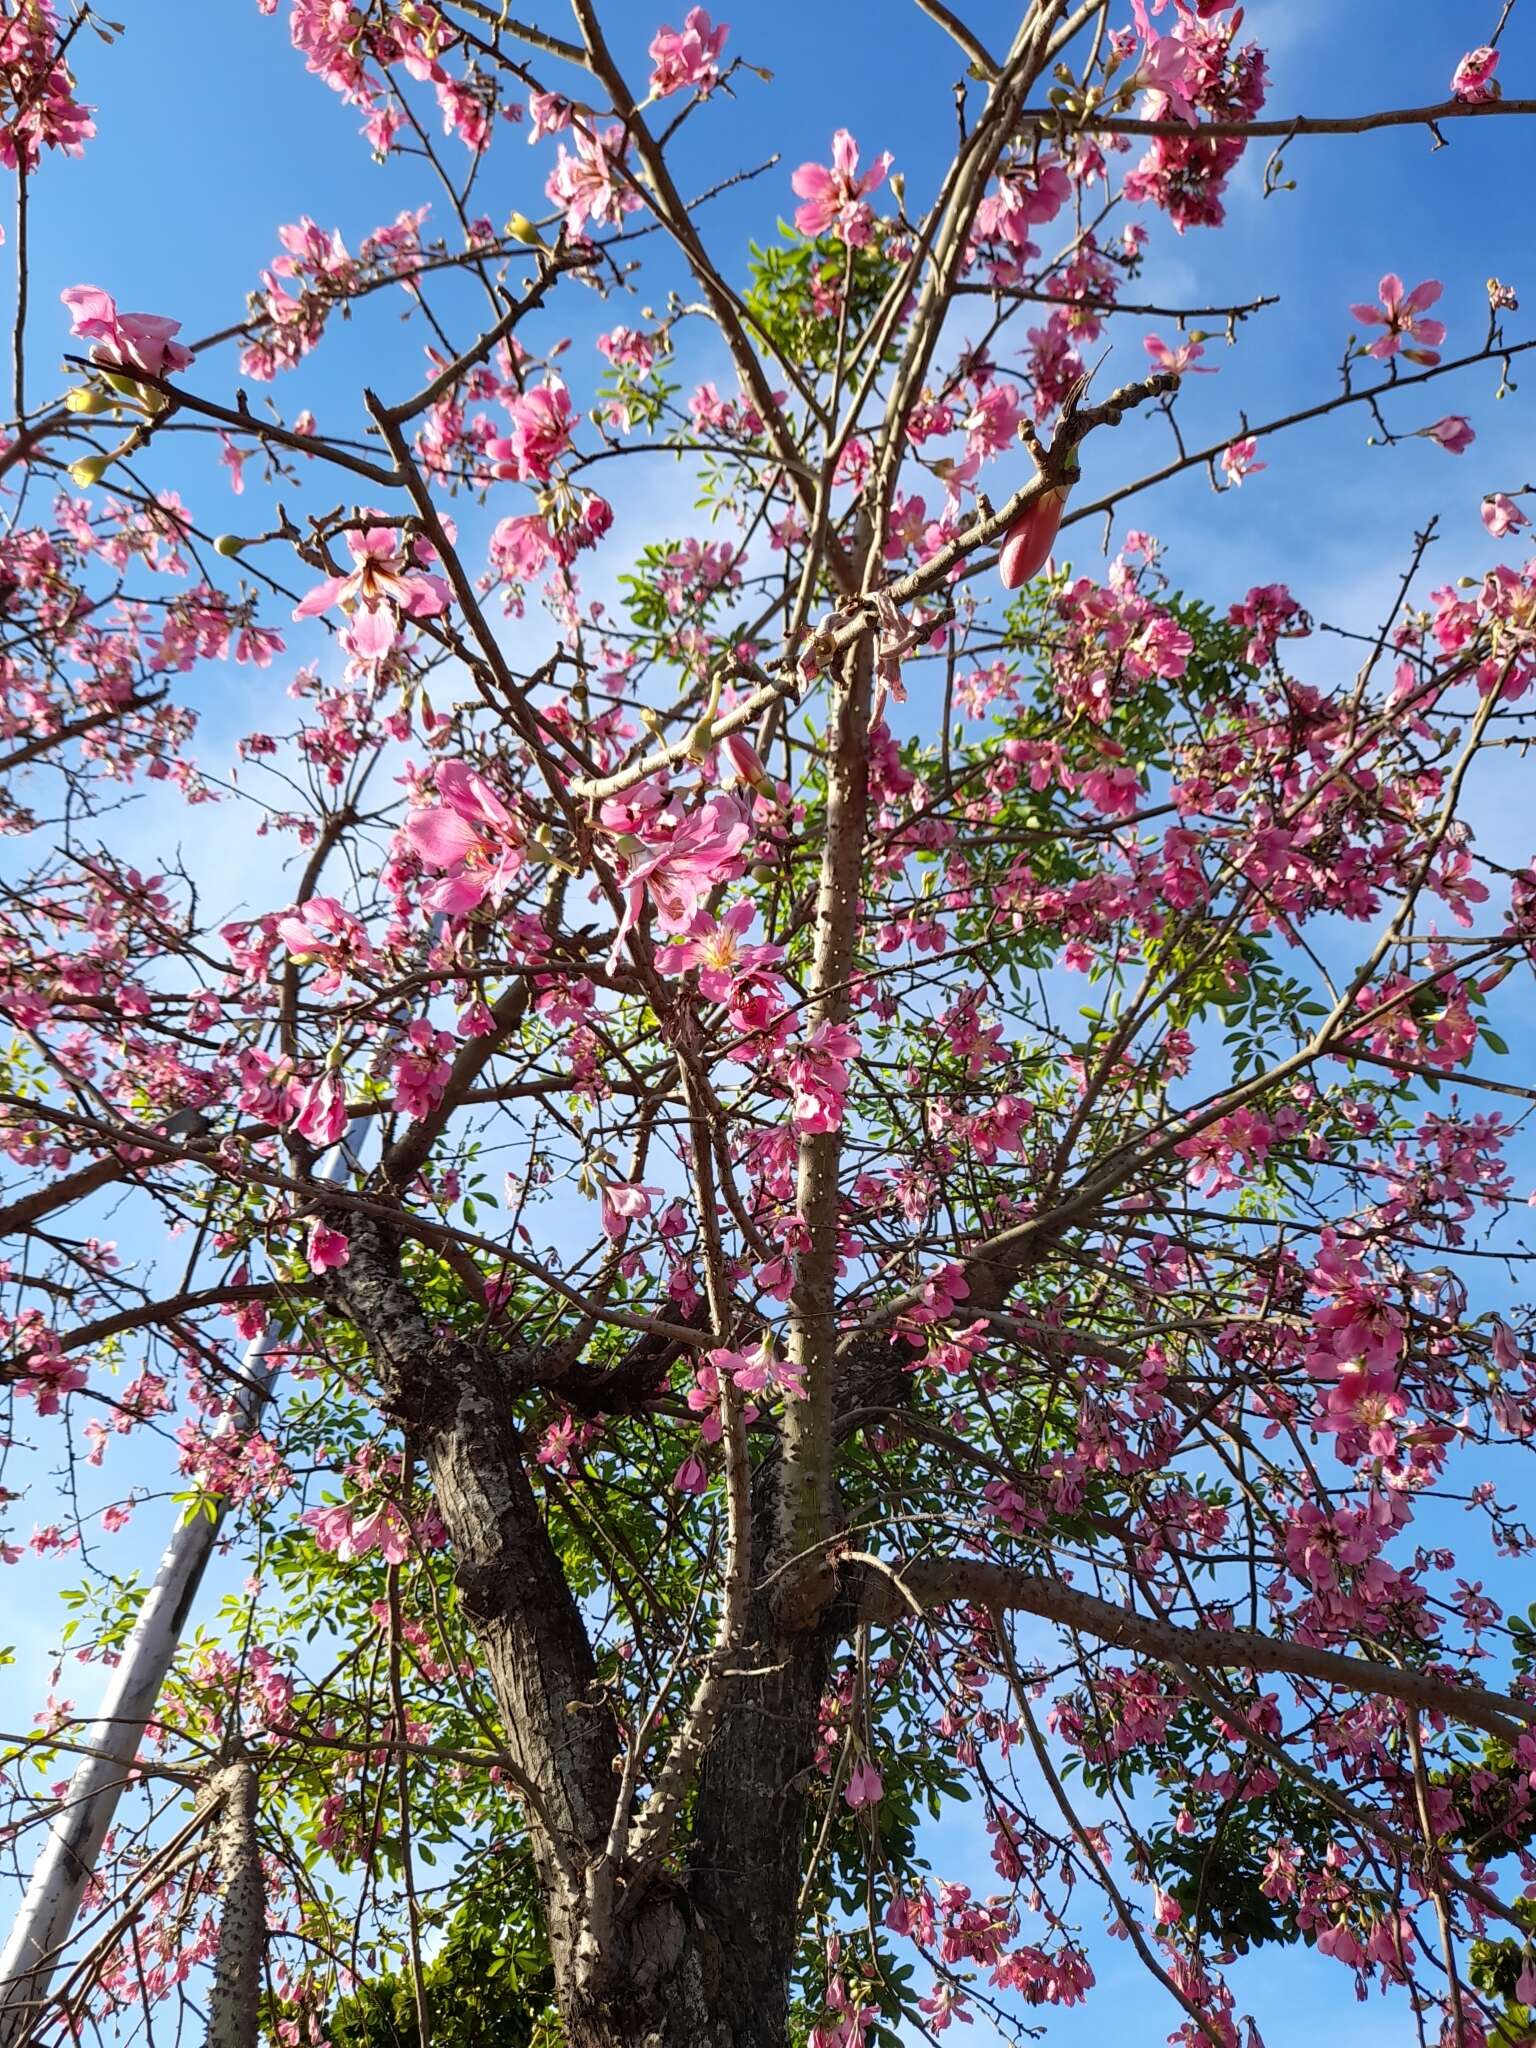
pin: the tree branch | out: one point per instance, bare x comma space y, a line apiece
1297, 124
892, 1590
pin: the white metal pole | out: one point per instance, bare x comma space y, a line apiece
48, 1911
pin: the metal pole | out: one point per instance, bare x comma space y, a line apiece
52, 1901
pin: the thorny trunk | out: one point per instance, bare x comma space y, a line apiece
234, 2002
703, 1958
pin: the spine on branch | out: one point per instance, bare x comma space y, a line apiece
233, 2001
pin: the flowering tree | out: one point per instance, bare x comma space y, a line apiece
920, 1163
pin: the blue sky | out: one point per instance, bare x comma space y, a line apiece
211, 135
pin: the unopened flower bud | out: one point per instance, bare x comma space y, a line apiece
230, 544
763, 871
89, 470
522, 229
746, 763
85, 399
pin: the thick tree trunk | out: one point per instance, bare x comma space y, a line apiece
703, 1959
679, 1983
707, 1964
456, 1402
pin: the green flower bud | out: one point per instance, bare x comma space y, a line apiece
89, 470
230, 544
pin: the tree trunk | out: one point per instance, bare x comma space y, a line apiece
679, 1983
703, 1959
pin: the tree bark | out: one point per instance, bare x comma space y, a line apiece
680, 1983
234, 2001
702, 1957
455, 1398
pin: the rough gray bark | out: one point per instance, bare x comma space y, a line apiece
702, 1957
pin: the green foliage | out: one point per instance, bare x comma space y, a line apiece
487, 1986
694, 602
1494, 1968
644, 400
787, 281
1216, 1873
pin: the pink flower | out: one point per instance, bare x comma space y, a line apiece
48, 1375
471, 835
1237, 461
687, 56
993, 423
864, 1786
383, 584
1167, 68
1181, 361
551, 114
521, 546
234, 459
759, 1371
1473, 79
677, 871
834, 198
322, 932
1454, 433
691, 1476
744, 763
1025, 194
541, 433
1398, 314
347, 1534
319, 1112
628, 349
126, 341
1506, 1349
817, 1071
327, 1248
1501, 515
714, 946
585, 185
1364, 1399
421, 1071
623, 1203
